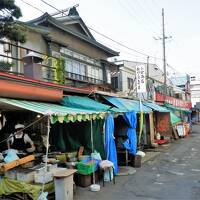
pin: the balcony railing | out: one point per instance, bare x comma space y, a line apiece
48, 72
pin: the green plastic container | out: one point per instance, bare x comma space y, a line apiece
86, 168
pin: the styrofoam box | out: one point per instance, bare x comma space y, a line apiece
11, 174
25, 176
43, 177
51, 167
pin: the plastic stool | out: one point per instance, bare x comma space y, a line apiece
107, 166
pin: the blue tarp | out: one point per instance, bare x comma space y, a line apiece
131, 143
110, 142
155, 107
127, 104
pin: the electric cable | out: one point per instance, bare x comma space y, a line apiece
119, 43
32, 6
103, 35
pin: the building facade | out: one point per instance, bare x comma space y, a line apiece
195, 90
67, 49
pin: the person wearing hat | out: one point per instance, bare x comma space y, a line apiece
20, 140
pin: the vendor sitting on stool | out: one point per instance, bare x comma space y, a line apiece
20, 140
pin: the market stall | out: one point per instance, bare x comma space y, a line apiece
182, 117
53, 113
132, 130
161, 122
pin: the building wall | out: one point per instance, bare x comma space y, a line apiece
195, 91
127, 70
76, 44
36, 42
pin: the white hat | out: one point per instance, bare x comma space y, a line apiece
19, 126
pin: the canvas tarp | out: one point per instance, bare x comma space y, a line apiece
174, 118
8, 186
84, 103
127, 104
70, 136
155, 107
57, 112
131, 142
110, 147
171, 107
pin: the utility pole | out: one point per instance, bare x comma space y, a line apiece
164, 56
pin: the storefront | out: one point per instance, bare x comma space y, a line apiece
140, 123
161, 123
71, 126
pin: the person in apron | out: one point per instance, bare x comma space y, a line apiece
20, 141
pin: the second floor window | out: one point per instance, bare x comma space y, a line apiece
130, 83
82, 67
75, 67
114, 82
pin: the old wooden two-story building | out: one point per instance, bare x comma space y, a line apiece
59, 50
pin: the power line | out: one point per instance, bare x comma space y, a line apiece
119, 43
144, 10
156, 4
32, 6
131, 11
101, 33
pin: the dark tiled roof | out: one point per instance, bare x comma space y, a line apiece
47, 18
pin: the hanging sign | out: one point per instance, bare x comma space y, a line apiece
140, 79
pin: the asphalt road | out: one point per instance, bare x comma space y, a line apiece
172, 175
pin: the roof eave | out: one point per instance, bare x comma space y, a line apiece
47, 17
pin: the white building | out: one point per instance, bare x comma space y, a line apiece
124, 81
195, 89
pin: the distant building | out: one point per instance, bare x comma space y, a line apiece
124, 81
184, 88
195, 90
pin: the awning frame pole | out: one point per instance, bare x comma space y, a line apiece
47, 149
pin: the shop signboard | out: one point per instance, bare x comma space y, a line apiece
174, 101
140, 79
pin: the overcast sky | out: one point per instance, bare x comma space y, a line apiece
135, 23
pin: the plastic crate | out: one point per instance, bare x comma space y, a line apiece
87, 167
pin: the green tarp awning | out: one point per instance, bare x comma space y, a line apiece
169, 106
174, 118
85, 103
127, 104
58, 112
155, 107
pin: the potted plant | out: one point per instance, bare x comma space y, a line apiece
5, 66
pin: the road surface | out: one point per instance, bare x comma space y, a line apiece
172, 175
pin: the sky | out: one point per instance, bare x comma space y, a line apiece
137, 24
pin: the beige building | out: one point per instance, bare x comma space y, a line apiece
65, 37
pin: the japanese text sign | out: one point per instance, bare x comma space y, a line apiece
140, 79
